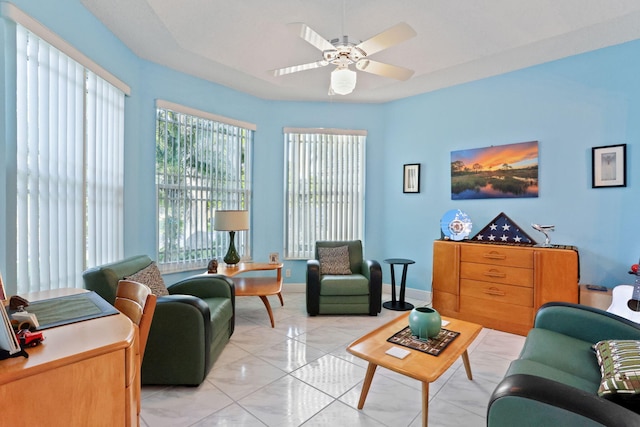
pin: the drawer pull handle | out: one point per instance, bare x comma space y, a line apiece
494, 255
495, 273
494, 291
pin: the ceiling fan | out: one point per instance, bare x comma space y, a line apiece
342, 52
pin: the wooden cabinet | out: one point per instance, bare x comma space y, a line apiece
83, 374
501, 286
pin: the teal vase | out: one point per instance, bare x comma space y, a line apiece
425, 322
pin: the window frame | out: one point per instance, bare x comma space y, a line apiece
68, 211
338, 158
198, 188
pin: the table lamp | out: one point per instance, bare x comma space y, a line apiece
231, 221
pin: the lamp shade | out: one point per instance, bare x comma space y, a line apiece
231, 220
343, 80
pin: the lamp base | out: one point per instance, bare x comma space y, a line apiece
232, 257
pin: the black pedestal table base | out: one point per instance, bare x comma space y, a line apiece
400, 304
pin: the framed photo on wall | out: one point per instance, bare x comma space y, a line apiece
499, 171
609, 166
411, 179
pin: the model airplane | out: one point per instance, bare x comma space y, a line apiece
544, 229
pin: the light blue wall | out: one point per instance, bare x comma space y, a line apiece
569, 106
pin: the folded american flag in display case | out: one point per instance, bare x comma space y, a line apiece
503, 230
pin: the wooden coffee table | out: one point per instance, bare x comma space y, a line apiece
418, 365
256, 286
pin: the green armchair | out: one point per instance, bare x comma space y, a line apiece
357, 293
190, 326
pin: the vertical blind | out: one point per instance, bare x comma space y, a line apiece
104, 170
69, 167
324, 187
202, 165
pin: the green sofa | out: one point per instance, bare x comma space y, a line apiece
190, 326
555, 380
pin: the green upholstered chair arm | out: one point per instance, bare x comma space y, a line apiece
204, 286
570, 319
528, 400
179, 338
371, 270
313, 287
367, 265
208, 286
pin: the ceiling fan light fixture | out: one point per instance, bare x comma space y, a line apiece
343, 80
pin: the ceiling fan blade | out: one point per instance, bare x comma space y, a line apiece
394, 35
382, 69
311, 37
301, 67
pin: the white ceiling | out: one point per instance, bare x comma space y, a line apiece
236, 43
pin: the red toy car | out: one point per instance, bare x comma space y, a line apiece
27, 338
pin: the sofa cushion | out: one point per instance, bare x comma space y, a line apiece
354, 284
334, 260
151, 277
619, 362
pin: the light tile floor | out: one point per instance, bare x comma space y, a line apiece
299, 373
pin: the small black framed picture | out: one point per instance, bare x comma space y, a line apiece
609, 166
411, 179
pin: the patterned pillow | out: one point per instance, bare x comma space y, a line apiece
619, 362
334, 260
151, 277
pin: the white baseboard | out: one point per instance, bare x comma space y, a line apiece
294, 287
415, 294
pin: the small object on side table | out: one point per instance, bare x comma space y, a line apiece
212, 268
400, 304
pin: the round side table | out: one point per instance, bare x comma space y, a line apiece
400, 304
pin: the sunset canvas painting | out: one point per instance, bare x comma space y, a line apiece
504, 171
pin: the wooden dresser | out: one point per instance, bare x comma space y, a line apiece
501, 286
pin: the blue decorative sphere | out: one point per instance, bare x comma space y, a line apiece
425, 322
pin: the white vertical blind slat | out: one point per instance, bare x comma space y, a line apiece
23, 68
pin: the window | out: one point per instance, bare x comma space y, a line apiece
203, 163
324, 182
70, 131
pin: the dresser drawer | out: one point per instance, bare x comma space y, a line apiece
505, 314
497, 255
507, 294
497, 274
